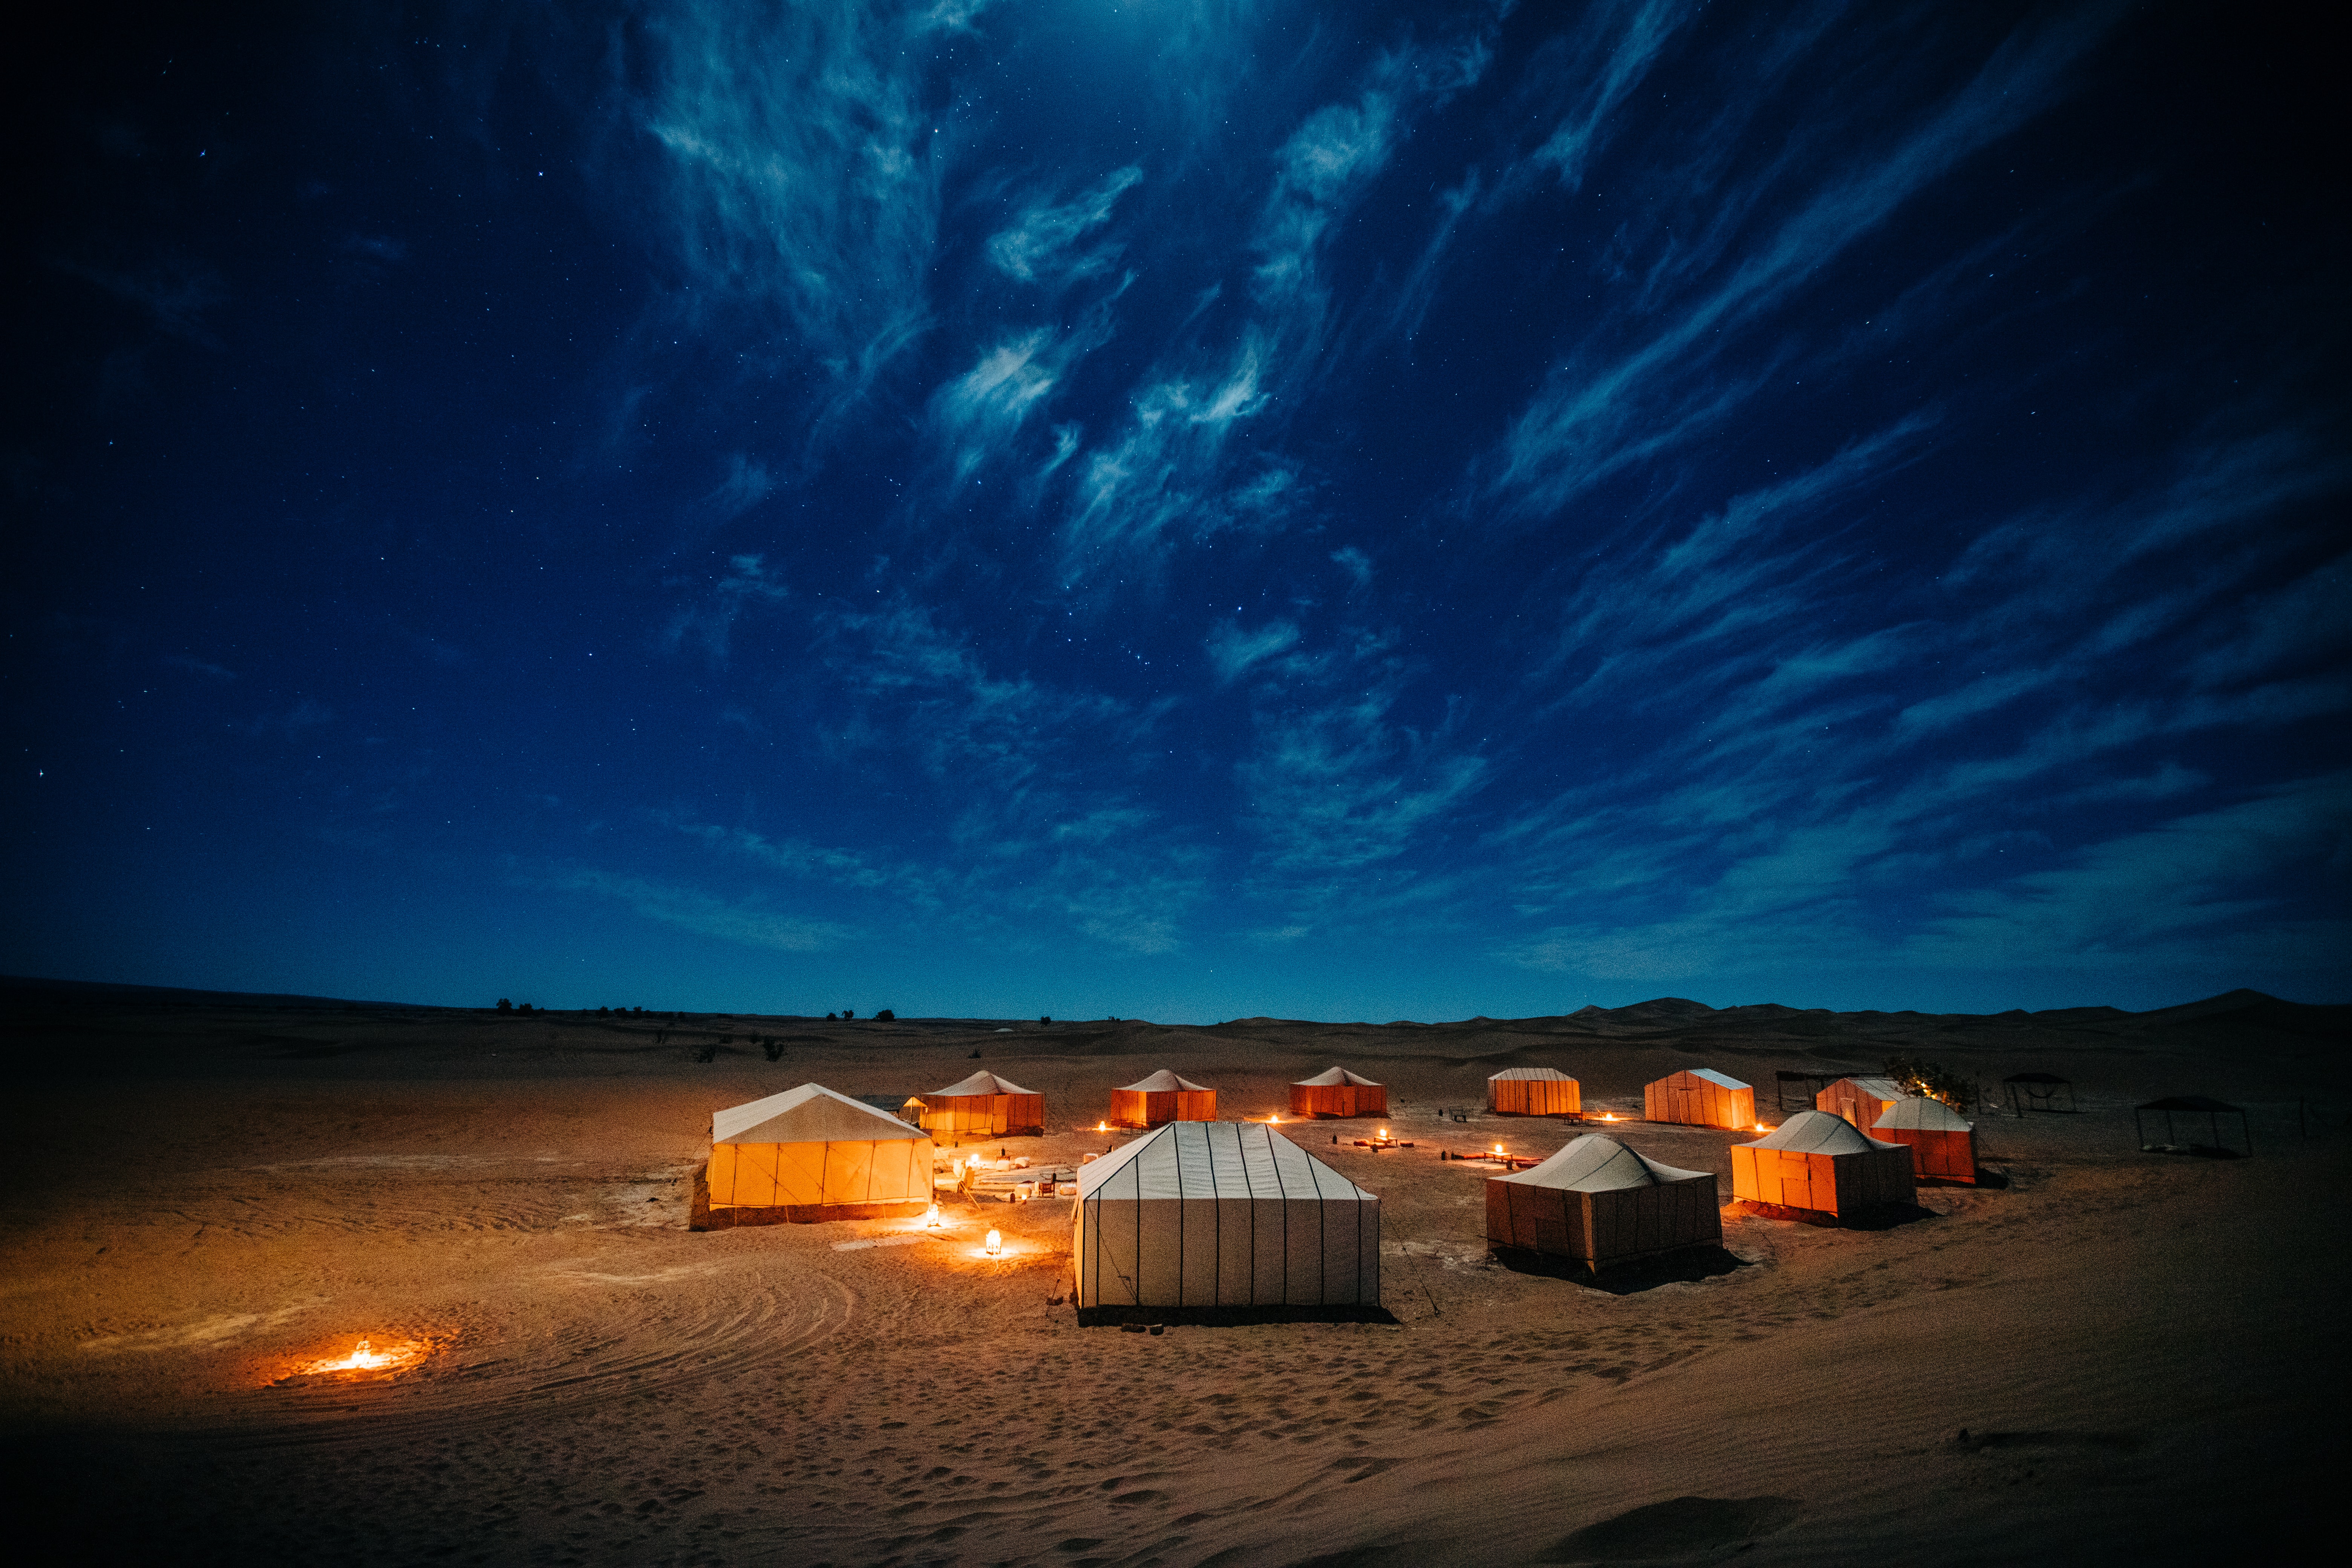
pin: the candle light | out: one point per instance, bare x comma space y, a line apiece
932, 1218
995, 1244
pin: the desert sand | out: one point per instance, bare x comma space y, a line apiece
2103, 1355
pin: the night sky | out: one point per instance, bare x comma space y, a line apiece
1180, 510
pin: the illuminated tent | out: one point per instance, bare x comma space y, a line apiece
1338, 1094
1861, 1101
1223, 1214
1817, 1160
1162, 1097
1534, 1091
1943, 1142
810, 1154
1599, 1203
1700, 1097
985, 1105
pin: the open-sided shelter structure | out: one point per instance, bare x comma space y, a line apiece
1943, 1142
1861, 1101
1534, 1091
983, 1106
2038, 1091
1597, 1203
1223, 1214
1162, 1097
810, 1154
1700, 1097
1820, 1161
1338, 1094
2189, 1107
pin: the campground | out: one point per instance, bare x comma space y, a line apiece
2102, 1356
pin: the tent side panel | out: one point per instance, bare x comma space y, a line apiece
1190, 1105
721, 1176
1747, 1180
1501, 1230
1371, 1100
1351, 1249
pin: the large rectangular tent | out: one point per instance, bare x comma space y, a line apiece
1861, 1101
1161, 1098
1339, 1093
1700, 1097
811, 1155
985, 1105
1820, 1161
1222, 1215
1534, 1091
1942, 1141
1597, 1203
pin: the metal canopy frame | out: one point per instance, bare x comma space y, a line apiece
2194, 1105
2040, 1091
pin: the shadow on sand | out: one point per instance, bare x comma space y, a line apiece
1152, 1317
1685, 1267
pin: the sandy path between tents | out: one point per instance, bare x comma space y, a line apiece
2144, 1350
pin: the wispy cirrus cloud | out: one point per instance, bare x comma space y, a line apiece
1042, 246
695, 910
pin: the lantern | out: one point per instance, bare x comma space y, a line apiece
931, 1217
995, 1244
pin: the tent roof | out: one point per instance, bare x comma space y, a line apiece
1165, 1082
1720, 1079
1223, 1160
2186, 1102
1884, 1088
982, 1083
1923, 1115
1817, 1132
1335, 1079
809, 1114
1548, 1075
1597, 1162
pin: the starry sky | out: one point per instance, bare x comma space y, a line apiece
1179, 510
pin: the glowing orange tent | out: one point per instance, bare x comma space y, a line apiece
811, 1155
1162, 1097
1534, 1091
1599, 1203
985, 1105
1819, 1162
1338, 1094
1943, 1142
1700, 1097
1861, 1101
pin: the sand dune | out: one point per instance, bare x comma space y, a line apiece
211, 1192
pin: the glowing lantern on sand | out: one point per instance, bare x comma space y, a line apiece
931, 1216
995, 1244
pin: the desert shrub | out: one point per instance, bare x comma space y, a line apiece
525, 1007
1932, 1079
1044, 1019
774, 1047
505, 1006
848, 1012
706, 1054
886, 1016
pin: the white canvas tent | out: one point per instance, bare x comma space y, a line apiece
1821, 1162
985, 1105
1599, 1203
1943, 1142
1534, 1091
1862, 1100
810, 1154
1223, 1214
1339, 1092
1700, 1097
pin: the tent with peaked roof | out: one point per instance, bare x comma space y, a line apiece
1599, 1203
1820, 1161
1534, 1091
1700, 1097
1223, 1214
1861, 1101
810, 1154
1339, 1093
1162, 1097
1943, 1142
983, 1106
